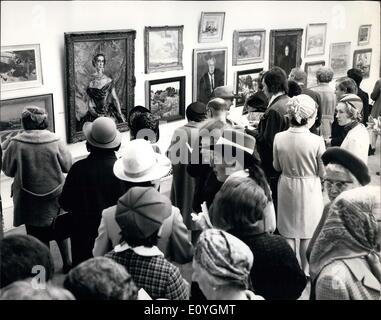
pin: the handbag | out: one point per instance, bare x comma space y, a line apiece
62, 226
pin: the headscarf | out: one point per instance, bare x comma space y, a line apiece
224, 256
301, 107
350, 231
354, 103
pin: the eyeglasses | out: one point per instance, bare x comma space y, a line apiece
337, 184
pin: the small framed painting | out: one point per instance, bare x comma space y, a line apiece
339, 58
315, 39
248, 46
364, 34
310, 68
166, 98
362, 60
20, 67
246, 84
211, 26
163, 48
11, 109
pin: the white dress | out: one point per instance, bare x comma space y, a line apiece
297, 153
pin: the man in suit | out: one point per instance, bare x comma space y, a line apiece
212, 79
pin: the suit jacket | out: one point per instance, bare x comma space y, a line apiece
205, 90
173, 241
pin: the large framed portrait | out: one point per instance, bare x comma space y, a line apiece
166, 98
362, 60
163, 48
100, 78
211, 26
310, 68
209, 72
364, 34
11, 109
248, 46
315, 39
20, 67
285, 48
246, 84
339, 58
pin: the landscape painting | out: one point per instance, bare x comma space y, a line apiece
315, 39
248, 46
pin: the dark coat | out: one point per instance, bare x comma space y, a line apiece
316, 97
276, 274
205, 90
90, 187
365, 101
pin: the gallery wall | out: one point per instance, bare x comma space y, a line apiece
30, 22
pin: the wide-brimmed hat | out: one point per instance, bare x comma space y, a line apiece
102, 133
224, 92
140, 163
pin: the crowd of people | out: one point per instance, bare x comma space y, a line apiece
262, 209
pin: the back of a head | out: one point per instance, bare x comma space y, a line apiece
298, 75
217, 106
21, 257
196, 112
356, 75
244, 197
34, 118
294, 88
28, 290
145, 125
276, 80
101, 279
324, 74
347, 85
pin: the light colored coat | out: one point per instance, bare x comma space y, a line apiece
357, 142
297, 153
173, 241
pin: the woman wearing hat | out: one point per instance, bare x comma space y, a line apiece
297, 154
179, 152
345, 261
37, 159
91, 186
221, 267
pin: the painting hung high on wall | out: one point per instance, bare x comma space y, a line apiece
364, 34
209, 72
285, 48
339, 58
20, 67
362, 60
310, 68
166, 98
11, 109
100, 78
211, 26
248, 46
315, 39
246, 84
163, 48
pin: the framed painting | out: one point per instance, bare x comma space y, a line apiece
163, 48
315, 39
364, 34
166, 98
11, 109
339, 58
99, 77
285, 48
20, 67
209, 72
246, 84
310, 68
362, 60
248, 46
211, 26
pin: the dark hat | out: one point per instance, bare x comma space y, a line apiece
141, 212
258, 101
196, 111
349, 161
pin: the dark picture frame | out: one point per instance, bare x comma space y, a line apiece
279, 40
118, 50
310, 68
163, 48
165, 98
241, 84
11, 109
201, 57
248, 46
362, 60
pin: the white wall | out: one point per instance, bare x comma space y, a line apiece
27, 22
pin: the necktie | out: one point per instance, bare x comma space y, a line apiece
212, 81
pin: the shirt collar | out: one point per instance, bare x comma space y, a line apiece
140, 250
273, 97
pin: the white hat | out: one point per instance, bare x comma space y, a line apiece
102, 133
140, 163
